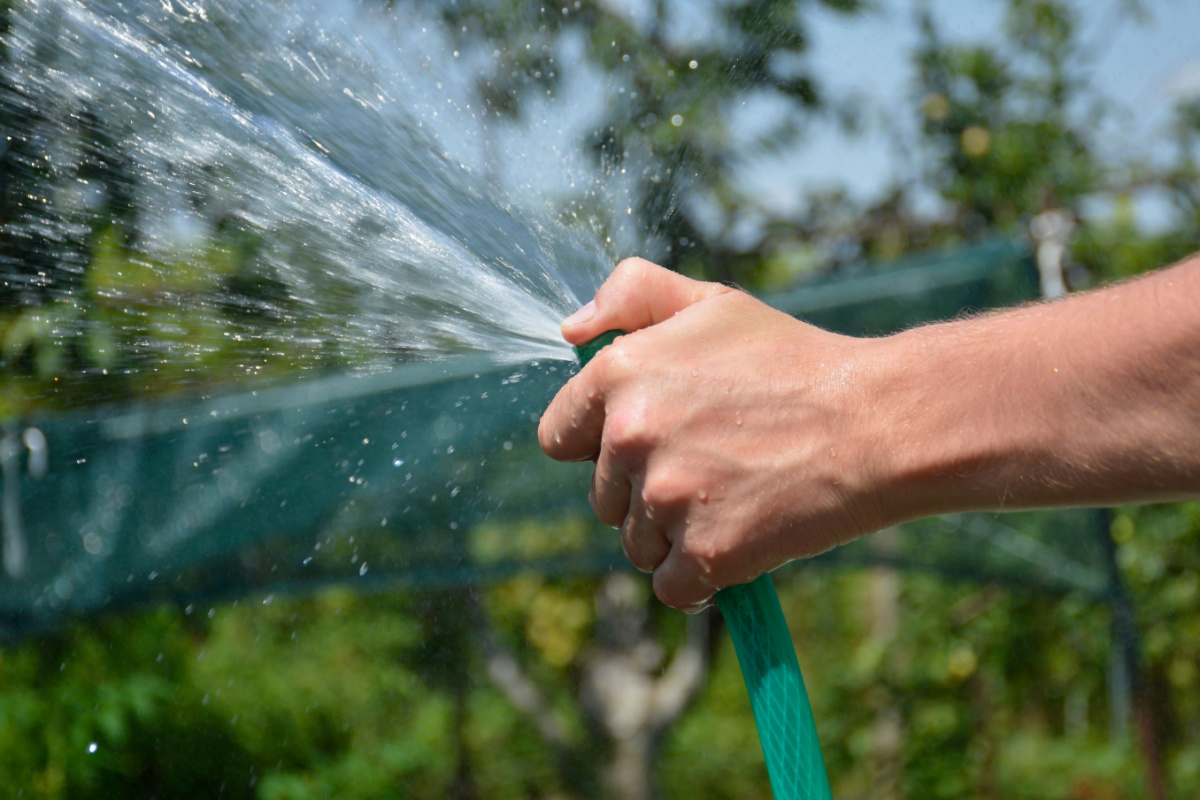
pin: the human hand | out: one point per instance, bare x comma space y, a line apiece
726, 434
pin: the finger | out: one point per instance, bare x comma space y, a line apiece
698, 607
571, 427
638, 294
643, 540
610, 489
680, 582
578, 418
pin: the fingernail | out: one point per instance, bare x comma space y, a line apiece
582, 315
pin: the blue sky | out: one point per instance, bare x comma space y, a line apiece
1145, 67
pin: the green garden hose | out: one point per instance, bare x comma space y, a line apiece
760, 636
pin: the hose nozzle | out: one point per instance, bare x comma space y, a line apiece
587, 350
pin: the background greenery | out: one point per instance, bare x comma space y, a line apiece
922, 688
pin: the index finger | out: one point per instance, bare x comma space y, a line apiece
573, 424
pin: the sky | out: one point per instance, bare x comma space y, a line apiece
1144, 67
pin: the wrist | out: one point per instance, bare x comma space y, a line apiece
938, 433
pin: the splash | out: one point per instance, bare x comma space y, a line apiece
216, 186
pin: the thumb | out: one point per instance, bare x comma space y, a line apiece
637, 295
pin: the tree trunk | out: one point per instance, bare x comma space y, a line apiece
630, 770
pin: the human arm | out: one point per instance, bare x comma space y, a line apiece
730, 438
1093, 400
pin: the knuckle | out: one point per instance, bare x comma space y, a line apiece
664, 488
632, 269
628, 430
618, 365
606, 376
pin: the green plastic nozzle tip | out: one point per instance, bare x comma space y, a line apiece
587, 350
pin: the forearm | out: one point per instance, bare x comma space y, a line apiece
729, 438
1093, 400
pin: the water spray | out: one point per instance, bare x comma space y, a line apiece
782, 714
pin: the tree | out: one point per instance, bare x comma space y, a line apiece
508, 693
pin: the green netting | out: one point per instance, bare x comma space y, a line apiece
367, 478
873, 300
429, 474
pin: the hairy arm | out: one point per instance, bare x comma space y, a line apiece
1090, 400
730, 438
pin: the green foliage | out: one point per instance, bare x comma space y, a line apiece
284, 700
937, 690
105, 710
337, 695
1159, 553
995, 118
713, 752
668, 122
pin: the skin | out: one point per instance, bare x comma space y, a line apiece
730, 438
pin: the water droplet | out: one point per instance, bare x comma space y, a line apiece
268, 600
508, 445
676, 120
362, 570
92, 747
307, 560
693, 64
